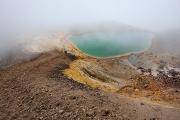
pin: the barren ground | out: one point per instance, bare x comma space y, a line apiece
37, 90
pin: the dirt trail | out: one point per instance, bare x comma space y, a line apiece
37, 90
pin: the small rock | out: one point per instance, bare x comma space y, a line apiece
90, 113
176, 91
134, 110
105, 112
142, 103
136, 90
146, 85
61, 111
40, 118
72, 97
57, 104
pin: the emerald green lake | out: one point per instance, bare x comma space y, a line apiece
105, 44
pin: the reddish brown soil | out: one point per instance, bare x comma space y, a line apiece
37, 90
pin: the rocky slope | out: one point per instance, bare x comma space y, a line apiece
38, 90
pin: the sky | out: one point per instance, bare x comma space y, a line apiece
22, 15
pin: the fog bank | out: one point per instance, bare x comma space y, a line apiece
19, 17
154, 15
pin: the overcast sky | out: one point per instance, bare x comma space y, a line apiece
154, 15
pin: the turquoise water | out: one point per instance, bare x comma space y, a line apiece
102, 44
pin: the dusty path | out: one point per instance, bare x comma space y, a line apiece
37, 89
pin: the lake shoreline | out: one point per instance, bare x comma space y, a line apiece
102, 49
117, 56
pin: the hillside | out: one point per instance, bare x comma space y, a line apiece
37, 89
